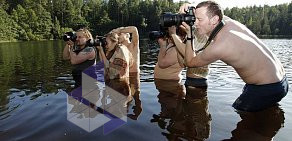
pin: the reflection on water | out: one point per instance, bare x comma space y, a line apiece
258, 126
183, 116
92, 107
34, 82
135, 109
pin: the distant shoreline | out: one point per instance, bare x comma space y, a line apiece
146, 36
275, 36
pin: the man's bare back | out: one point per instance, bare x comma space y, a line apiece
238, 47
241, 49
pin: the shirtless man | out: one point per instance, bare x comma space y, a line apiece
237, 46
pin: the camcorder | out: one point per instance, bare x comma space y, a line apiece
169, 19
70, 36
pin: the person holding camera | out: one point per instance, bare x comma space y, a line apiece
79, 53
195, 76
133, 46
167, 66
117, 58
234, 44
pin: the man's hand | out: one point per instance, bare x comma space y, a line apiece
186, 28
185, 7
99, 48
172, 30
70, 43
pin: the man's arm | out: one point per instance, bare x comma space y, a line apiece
86, 54
207, 56
134, 31
180, 46
180, 49
102, 56
66, 51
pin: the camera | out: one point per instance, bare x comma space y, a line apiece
169, 19
70, 36
163, 32
156, 34
98, 41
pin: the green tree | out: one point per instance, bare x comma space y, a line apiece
6, 28
20, 16
44, 23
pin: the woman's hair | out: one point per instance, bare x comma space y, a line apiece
113, 36
181, 33
86, 33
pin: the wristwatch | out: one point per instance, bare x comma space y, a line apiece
190, 38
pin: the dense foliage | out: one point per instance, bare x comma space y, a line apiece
49, 19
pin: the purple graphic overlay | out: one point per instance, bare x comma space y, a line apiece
91, 106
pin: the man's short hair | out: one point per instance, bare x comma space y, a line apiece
213, 8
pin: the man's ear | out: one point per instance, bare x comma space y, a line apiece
215, 19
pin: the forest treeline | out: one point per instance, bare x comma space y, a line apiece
49, 19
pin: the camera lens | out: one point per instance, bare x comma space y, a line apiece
168, 19
70, 36
66, 38
153, 35
99, 41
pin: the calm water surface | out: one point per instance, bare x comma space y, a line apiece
34, 81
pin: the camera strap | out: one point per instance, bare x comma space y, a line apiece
212, 36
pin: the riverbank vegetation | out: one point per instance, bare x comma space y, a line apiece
26, 20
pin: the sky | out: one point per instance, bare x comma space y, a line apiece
243, 3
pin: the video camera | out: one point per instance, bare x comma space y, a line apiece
169, 19
98, 41
70, 36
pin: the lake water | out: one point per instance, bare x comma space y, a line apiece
34, 81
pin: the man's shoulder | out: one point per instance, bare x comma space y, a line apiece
88, 49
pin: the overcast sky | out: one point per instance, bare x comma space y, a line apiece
243, 3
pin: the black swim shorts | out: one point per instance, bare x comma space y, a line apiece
258, 97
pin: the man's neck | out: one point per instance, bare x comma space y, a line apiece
213, 28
